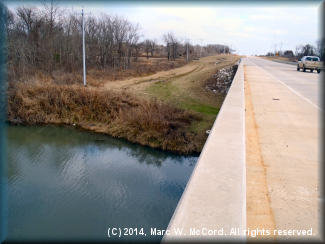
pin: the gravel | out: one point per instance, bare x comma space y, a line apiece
221, 82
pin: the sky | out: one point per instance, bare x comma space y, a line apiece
249, 27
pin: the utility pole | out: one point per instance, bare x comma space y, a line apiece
187, 49
201, 46
280, 47
83, 45
275, 31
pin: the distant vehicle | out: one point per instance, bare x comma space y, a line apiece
311, 63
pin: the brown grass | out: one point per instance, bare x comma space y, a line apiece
97, 78
119, 114
289, 59
123, 104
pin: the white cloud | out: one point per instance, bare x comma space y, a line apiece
238, 34
195, 14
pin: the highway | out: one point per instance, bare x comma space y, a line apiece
283, 109
307, 84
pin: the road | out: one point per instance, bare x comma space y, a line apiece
283, 132
307, 84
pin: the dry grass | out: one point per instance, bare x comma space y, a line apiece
127, 103
97, 78
288, 59
123, 115
184, 87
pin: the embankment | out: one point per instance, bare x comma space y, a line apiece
118, 114
176, 121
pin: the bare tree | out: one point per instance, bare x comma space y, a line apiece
321, 48
298, 50
52, 39
308, 50
153, 46
166, 38
147, 47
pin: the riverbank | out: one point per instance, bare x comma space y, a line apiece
170, 110
122, 115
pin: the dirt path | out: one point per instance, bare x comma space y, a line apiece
140, 83
181, 85
192, 70
185, 88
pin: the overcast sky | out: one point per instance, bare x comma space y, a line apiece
249, 27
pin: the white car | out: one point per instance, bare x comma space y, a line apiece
311, 63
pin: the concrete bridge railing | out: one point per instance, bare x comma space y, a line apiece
213, 205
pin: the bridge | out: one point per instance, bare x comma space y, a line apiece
258, 176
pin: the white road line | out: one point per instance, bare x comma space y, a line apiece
288, 87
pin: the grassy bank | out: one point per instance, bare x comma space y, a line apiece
122, 115
170, 109
288, 59
97, 77
185, 87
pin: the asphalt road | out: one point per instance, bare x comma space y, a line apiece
307, 84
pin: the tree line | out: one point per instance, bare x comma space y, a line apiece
305, 50
50, 38
310, 50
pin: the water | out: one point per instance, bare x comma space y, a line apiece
65, 186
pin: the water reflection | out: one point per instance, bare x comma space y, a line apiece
65, 185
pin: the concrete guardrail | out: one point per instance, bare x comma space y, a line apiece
213, 205
285, 62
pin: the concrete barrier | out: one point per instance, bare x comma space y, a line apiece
285, 62
213, 205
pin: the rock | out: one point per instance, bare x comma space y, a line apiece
223, 80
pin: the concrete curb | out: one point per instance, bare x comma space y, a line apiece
285, 62
215, 196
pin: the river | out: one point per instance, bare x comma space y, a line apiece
70, 185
